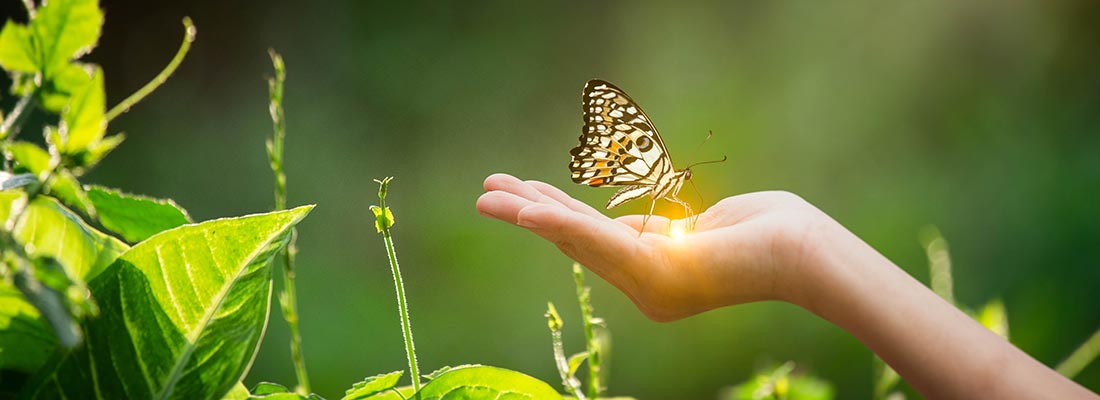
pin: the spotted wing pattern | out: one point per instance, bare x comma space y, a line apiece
618, 145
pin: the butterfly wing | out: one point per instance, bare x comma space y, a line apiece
618, 145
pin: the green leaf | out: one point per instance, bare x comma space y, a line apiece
238, 392
445, 369
50, 230
486, 383
994, 317
182, 313
373, 385
29, 157
64, 186
84, 121
17, 52
57, 232
263, 388
575, 362
382, 220
99, 149
65, 30
135, 217
25, 339
57, 91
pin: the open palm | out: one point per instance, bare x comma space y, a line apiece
741, 250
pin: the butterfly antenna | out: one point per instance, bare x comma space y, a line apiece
709, 135
724, 158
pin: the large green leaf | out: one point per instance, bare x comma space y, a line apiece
57, 232
25, 339
486, 383
135, 217
65, 29
53, 231
182, 314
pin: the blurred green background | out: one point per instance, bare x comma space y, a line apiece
982, 118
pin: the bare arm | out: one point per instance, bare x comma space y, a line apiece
776, 246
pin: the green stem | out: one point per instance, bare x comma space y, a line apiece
290, 313
289, 297
406, 326
383, 223
572, 385
1081, 357
584, 297
188, 38
13, 122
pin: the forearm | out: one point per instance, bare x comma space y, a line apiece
938, 349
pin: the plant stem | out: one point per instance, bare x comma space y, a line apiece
289, 297
1080, 357
406, 326
13, 123
572, 385
188, 38
384, 221
584, 297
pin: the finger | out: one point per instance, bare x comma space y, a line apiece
501, 205
607, 250
515, 186
557, 194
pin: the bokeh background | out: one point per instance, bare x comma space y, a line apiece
981, 118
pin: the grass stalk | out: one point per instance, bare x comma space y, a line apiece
288, 299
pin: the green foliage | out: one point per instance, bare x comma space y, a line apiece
64, 186
486, 383
135, 217
780, 383
61, 30
183, 313
25, 339
373, 385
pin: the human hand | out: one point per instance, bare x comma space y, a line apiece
745, 248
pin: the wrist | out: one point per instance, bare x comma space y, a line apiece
825, 263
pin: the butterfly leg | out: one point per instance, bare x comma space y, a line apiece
645, 219
689, 215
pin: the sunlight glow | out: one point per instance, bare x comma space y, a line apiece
676, 232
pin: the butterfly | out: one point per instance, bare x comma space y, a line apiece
620, 147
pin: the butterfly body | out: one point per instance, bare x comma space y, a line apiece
619, 146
